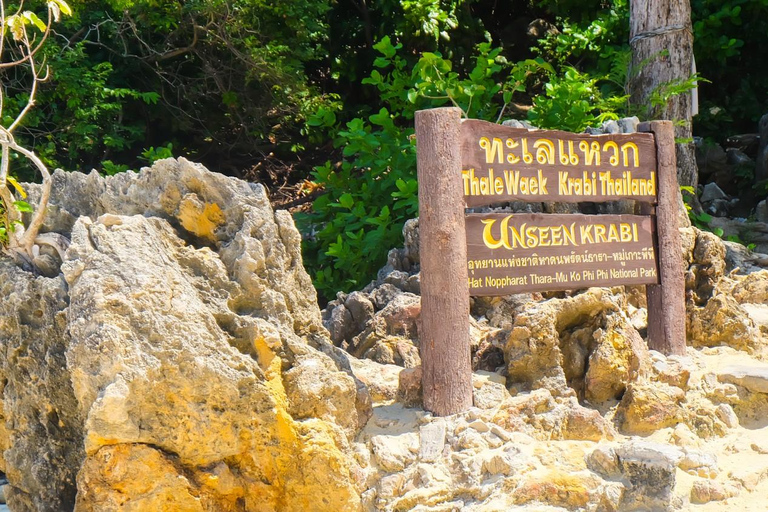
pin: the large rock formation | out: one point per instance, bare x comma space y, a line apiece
178, 361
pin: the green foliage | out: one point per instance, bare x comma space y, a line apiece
573, 102
152, 154
729, 44
372, 192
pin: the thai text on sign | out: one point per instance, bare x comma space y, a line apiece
518, 253
504, 164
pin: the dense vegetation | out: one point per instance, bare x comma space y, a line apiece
327, 90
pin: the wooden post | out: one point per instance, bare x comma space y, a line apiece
666, 301
444, 329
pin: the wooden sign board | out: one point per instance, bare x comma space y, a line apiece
522, 253
503, 253
500, 164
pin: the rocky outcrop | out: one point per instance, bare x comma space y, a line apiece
178, 362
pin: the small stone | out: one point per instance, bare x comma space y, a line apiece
409, 391
611, 126
649, 407
699, 463
501, 433
391, 486
603, 461
480, 426
394, 453
432, 439
704, 491
489, 389
501, 462
761, 448
761, 211
712, 192
629, 124
726, 414
471, 439
673, 370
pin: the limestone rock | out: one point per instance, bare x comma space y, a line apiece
753, 288
618, 359
704, 491
650, 468
409, 390
551, 342
707, 267
604, 461
381, 380
489, 389
649, 406
394, 453
178, 359
754, 378
41, 426
722, 321
672, 370
557, 488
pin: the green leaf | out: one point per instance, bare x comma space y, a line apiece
62, 6
346, 200
22, 206
32, 18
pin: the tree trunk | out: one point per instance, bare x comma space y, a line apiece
662, 52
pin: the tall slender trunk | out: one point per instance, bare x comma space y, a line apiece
662, 52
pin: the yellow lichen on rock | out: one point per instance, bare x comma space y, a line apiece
200, 219
137, 478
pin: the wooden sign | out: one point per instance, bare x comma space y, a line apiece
505, 164
504, 253
520, 253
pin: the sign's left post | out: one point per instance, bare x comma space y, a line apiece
444, 327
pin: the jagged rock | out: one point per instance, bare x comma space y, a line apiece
380, 379
41, 427
394, 453
543, 416
707, 266
629, 124
650, 469
753, 288
722, 321
552, 343
392, 335
619, 358
572, 491
431, 440
649, 406
699, 463
604, 461
194, 350
672, 370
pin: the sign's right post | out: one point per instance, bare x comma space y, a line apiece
666, 301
